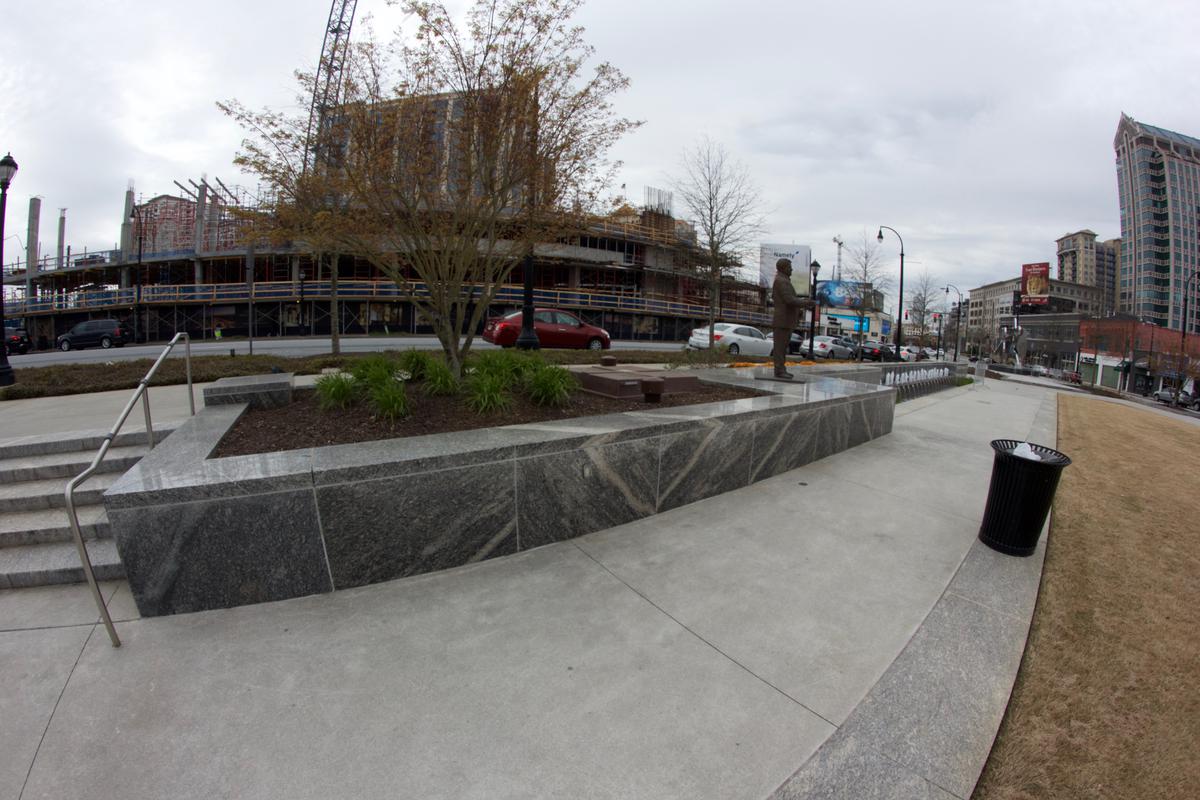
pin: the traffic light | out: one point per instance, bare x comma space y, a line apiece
906, 315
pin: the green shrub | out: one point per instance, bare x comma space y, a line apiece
510, 366
487, 392
550, 386
374, 371
439, 380
335, 391
390, 400
416, 363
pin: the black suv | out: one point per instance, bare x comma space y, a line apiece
16, 338
95, 332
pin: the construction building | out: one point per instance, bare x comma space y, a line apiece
183, 265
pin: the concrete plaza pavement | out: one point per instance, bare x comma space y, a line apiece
835, 631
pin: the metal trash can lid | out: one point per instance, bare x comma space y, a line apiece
1048, 456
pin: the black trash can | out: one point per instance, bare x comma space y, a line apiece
1019, 497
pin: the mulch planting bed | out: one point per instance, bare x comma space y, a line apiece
303, 424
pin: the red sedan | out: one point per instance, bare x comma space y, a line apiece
554, 328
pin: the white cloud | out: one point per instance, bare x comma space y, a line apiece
981, 131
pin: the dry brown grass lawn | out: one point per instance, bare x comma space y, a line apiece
1107, 702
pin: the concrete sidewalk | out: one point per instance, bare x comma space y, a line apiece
835, 631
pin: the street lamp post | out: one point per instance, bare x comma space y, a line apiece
527, 339
813, 269
957, 315
8, 168
135, 217
900, 291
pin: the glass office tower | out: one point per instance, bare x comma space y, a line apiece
1158, 181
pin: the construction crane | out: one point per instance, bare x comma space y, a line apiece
327, 84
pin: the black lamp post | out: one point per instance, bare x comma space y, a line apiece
527, 340
900, 292
813, 269
8, 168
135, 217
957, 315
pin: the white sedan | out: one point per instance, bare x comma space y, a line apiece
738, 338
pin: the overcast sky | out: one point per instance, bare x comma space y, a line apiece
981, 131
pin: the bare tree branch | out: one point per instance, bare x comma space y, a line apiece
728, 212
452, 154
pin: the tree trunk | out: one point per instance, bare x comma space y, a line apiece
335, 315
714, 300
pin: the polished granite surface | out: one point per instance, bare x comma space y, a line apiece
197, 532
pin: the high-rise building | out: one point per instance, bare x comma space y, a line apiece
1081, 259
1158, 181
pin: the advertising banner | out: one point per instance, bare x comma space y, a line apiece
849, 322
840, 294
1035, 284
801, 256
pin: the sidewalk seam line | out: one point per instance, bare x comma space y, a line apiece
730, 658
53, 711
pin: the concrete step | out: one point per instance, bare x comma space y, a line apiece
50, 525
68, 442
68, 464
49, 493
45, 564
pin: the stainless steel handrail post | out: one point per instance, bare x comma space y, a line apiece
139, 393
146, 413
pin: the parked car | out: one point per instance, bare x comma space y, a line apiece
738, 338
16, 338
825, 347
849, 344
554, 328
912, 353
104, 333
874, 351
1185, 398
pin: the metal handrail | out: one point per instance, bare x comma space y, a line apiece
140, 391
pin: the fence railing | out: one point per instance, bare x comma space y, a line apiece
139, 393
360, 291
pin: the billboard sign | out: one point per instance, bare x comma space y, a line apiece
801, 256
840, 294
1035, 284
849, 321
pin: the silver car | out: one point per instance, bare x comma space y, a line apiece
737, 338
827, 347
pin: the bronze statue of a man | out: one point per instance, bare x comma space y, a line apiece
787, 314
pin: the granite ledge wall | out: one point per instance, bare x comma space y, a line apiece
197, 533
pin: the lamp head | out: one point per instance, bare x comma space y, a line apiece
814, 267
8, 168
879, 238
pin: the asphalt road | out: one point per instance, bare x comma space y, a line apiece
298, 346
